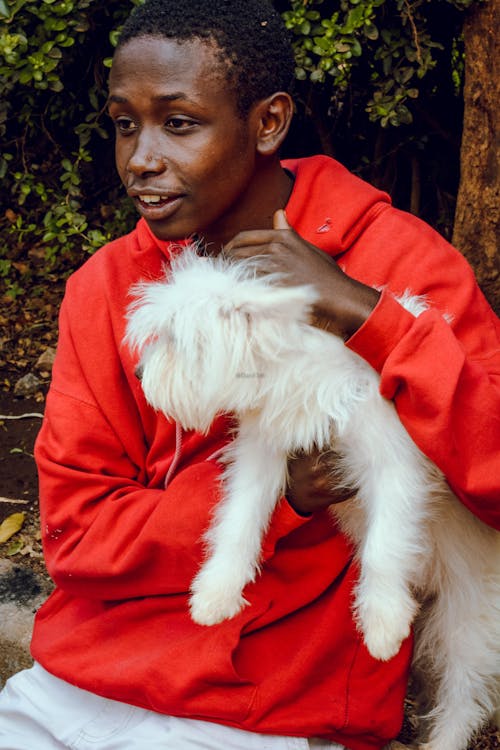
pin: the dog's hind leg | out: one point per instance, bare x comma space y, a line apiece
458, 638
461, 695
252, 483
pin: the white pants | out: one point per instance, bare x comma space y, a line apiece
40, 712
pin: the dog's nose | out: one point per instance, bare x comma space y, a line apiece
138, 372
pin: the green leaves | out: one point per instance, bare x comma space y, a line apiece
51, 121
389, 40
337, 38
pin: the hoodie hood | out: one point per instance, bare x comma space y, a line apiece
339, 204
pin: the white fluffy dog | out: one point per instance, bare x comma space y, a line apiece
219, 336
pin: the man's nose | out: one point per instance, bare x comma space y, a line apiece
148, 155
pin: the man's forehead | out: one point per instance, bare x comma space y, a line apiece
161, 56
168, 71
204, 50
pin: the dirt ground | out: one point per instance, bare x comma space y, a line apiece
18, 480
28, 328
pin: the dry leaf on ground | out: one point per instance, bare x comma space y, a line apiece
10, 526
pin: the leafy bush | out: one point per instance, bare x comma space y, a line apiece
393, 38
363, 68
381, 83
58, 182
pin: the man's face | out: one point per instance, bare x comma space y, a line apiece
184, 154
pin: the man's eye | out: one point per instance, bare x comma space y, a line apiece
179, 123
125, 125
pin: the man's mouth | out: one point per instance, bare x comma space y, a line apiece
157, 206
156, 200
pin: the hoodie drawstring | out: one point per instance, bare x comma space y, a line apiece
177, 454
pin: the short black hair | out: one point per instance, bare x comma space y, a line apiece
254, 42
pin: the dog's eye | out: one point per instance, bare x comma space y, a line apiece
138, 372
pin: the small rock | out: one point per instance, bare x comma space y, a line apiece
46, 359
18, 584
22, 591
28, 385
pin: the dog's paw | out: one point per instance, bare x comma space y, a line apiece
214, 599
383, 645
385, 625
210, 610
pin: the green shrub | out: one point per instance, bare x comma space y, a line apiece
362, 68
57, 180
393, 42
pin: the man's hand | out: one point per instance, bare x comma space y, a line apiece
311, 484
344, 303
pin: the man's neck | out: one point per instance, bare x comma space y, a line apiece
264, 197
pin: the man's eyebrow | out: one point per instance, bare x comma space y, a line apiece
170, 97
116, 99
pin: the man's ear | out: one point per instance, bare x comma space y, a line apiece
274, 115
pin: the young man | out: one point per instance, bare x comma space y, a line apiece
198, 95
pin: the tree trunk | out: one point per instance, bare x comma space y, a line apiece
477, 218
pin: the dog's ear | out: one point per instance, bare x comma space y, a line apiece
280, 303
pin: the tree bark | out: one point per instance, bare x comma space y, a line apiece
477, 218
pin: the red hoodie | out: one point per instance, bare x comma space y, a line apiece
122, 550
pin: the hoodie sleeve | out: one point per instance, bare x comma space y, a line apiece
442, 369
109, 528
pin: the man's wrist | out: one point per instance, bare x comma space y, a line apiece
363, 306
357, 307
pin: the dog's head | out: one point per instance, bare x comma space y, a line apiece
209, 335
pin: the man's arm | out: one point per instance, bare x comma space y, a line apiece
444, 377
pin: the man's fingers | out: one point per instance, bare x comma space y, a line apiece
244, 251
257, 238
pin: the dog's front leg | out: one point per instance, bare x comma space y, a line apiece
253, 481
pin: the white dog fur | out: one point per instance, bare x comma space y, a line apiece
217, 336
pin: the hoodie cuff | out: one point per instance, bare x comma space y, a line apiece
382, 331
